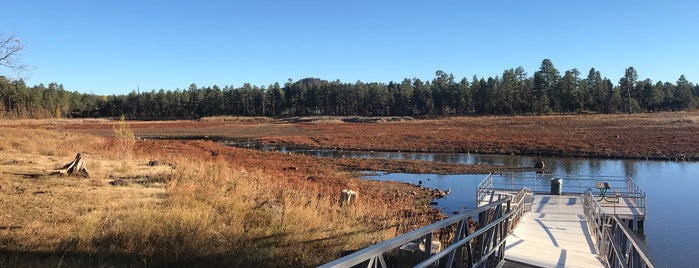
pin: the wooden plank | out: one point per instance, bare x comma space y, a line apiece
624, 208
554, 234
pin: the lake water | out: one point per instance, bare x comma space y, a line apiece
671, 226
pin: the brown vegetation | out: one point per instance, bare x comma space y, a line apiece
186, 202
668, 136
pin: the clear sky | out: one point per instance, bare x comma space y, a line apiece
114, 47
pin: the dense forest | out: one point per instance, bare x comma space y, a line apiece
515, 92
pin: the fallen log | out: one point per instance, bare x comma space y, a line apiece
78, 167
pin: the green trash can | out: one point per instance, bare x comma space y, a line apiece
556, 186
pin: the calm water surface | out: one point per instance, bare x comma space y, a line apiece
671, 227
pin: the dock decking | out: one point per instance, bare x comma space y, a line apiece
625, 207
554, 234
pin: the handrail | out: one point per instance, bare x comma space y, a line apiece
452, 248
616, 244
624, 187
626, 250
540, 183
484, 245
637, 194
594, 215
524, 198
483, 188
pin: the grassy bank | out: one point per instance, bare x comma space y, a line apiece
183, 204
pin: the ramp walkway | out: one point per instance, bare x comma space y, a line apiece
553, 234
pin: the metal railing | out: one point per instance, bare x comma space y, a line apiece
618, 245
638, 195
484, 189
473, 239
594, 215
541, 183
623, 187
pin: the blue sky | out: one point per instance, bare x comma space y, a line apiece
113, 47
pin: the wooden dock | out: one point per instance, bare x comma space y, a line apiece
553, 234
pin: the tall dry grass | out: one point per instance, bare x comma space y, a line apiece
45, 142
216, 216
124, 141
205, 213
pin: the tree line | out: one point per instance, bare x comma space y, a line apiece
513, 93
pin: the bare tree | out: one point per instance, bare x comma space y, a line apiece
10, 46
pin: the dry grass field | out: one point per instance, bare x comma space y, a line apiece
183, 203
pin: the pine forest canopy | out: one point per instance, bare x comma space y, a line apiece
513, 93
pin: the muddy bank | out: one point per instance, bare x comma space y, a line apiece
422, 167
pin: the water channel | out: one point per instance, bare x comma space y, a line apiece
671, 227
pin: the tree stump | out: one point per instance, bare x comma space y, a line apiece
540, 165
77, 167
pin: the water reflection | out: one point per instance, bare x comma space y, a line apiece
629, 169
569, 167
594, 165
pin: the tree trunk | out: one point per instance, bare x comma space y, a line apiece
77, 167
